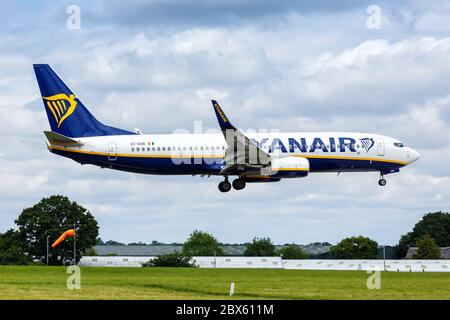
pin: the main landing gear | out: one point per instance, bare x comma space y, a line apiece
225, 186
238, 184
382, 182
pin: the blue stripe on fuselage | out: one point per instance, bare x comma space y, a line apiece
166, 165
147, 165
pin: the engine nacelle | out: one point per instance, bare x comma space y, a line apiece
256, 179
288, 167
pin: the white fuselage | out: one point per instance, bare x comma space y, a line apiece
204, 153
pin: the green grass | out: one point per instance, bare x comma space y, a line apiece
32, 282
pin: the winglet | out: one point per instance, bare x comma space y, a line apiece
224, 123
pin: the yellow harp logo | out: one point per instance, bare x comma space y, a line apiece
61, 106
220, 112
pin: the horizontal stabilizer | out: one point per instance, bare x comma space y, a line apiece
61, 140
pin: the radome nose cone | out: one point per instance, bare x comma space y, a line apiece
414, 155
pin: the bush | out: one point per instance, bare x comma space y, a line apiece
355, 248
435, 224
202, 244
11, 249
90, 252
260, 248
427, 248
175, 259
292, 251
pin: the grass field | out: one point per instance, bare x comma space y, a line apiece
42, 282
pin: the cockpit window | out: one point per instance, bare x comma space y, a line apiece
399, 144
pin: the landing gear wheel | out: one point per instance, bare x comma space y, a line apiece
239, 184
225, 186
382, 182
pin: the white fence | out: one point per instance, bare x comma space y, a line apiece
116, 261
364, 265
202, 262
239, 262
278, 263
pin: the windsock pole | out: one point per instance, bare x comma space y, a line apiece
47, 249
74, 244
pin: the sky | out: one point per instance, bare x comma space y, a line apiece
291, 66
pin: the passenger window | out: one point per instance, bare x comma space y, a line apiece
132, 149
137, 149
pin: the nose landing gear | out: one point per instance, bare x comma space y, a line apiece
382, 182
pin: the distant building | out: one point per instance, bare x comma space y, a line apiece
313, 251
445, 253
390, 253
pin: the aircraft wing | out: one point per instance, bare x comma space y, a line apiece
242, 155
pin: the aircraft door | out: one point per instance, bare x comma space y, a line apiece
380, 147
112, 151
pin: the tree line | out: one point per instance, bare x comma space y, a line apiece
42, 223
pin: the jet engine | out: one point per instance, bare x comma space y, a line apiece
287, 167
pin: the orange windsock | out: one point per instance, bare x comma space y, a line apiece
68, 233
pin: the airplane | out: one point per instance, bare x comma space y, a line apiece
250, 157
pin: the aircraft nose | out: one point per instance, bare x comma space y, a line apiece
413, 155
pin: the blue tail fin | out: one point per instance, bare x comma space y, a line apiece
66, 113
